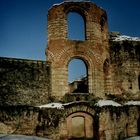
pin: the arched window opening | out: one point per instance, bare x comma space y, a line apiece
102, 23
139, 82
106, 69
77, 76
76, 26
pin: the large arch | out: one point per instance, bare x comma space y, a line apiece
77, 76
83, 53
89, 69
87, 115
80, 125
60, 69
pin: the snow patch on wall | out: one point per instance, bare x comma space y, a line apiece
52, 105
124, 37
57, 4
107, 103
100, 103
132, 103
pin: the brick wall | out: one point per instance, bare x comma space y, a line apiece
93, 50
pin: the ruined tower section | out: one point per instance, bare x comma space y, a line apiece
93, 50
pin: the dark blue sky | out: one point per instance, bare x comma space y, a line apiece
23, 24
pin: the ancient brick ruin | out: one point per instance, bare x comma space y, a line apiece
34, 95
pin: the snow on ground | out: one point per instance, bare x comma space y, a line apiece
52, 105
124, 37
132, 103
107, 103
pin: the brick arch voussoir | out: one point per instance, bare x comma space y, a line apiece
50, 55
85, 54
79, 108
76, 8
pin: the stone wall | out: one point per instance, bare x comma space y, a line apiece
28, 120
18, 120
125, 62
102, 123
108, 122
24, 82
117, 123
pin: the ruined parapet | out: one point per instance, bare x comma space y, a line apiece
125, 62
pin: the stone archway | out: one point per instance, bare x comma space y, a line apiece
80, 125
60, 69
79, 122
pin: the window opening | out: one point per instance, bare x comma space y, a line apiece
76, 26
139, 82
77, 76
102, 23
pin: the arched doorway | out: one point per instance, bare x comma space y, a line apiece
80, 125
77, 76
